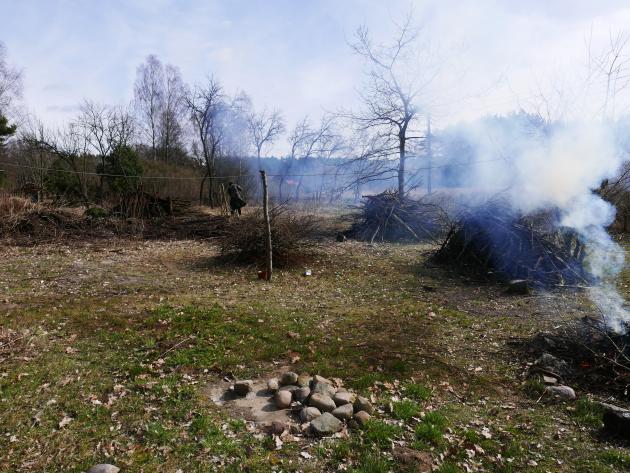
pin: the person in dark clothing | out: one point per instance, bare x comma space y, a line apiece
236, 199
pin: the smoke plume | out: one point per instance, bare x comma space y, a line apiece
536, 166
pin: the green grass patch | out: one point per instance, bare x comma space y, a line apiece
448, 467
379, 433
417, 391
405, 410
616, 458
430, 431
588, 413
372, 463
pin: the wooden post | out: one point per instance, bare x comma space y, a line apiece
269, 268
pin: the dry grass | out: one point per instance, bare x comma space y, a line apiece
12, 206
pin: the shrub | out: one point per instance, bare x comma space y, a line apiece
245, 239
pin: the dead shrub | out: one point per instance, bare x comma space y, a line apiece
244, 239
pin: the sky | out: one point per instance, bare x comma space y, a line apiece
493, 56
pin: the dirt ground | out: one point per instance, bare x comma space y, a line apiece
109, 350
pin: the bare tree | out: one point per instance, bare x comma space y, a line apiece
69, 145
149, 99
206, 105
391, 93
308, 141
172, 113
264, 129
613, 65
104, 129
10, 82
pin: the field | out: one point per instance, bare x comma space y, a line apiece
109, 349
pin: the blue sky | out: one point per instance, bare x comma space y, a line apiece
294, 54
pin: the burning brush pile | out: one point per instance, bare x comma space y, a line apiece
390, 217
494, 240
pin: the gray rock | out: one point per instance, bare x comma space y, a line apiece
519, 287
616, 420
322, 402
301, 394
291, 388
309, 413
362, 417
243, 387
283, 399
553, 364
304, 380
362, 404
563, 392
273, 385
344, 397
320, 387
343, 412
104, 468
320, 379
326, 424
288, 378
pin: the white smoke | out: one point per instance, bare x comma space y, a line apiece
557, 167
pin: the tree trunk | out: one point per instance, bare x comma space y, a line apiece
401, 168
430, 158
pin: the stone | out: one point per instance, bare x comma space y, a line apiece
344, 412
326, 424
616, 420
309, 413
104, 468
322, 402
519, 287
273, 385
277, 427
291, 388
304, 380
283, 399
563, 392
243, 387
320, 387
344, 397
553, 364
362, 417
288, 378
550, 380
320, 379
362, 404
301, 394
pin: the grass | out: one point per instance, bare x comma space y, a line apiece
380, 434
124, 339
405, 410
417, 391
589, 413
431, 430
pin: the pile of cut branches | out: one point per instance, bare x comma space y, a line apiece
20, 216
243, 240
390, 217
595, 358
492, 239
